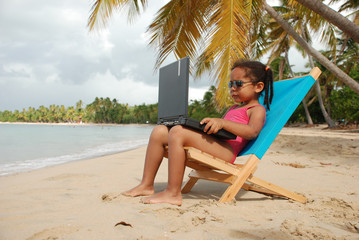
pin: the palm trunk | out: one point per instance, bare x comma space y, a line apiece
344, 24
311, 51
326, 116
281, 68
307, 113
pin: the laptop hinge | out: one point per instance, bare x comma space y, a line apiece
172, 121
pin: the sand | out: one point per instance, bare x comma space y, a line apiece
81, 200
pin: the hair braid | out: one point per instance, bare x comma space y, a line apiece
268, 87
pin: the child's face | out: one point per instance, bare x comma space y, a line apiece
248, 91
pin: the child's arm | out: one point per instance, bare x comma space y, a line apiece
247, 131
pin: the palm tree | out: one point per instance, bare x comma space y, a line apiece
311, 51
304, 18
347, 26
20, 116
280, 42
30, 114
347, 59
70, 114
213, 33
43, 116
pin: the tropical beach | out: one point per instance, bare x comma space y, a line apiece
82, 199
79, 98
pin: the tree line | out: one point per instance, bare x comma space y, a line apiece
343, 106
101, 110
105, 110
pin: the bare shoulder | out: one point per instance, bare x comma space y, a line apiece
257, 108
257, 111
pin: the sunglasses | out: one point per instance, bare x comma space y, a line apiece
238, 83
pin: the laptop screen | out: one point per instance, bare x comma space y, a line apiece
173, 90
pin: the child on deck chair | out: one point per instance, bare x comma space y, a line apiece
245, 119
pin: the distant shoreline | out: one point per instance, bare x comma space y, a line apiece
81, 124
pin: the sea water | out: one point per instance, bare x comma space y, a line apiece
24, 147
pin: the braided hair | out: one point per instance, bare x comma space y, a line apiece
258, 72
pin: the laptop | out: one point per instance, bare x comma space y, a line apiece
173, 98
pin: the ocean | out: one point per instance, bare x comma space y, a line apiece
25, 147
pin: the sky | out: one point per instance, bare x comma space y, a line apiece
48, 56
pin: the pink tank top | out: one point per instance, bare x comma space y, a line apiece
238, 115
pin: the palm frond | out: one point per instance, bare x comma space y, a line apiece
134, 8
178, 27
356, 18
102, 10
228, 41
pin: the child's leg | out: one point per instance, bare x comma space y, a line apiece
154, 155
180, 137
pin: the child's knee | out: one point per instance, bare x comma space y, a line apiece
176, 129
160, 131
176, 132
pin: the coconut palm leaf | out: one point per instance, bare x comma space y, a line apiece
178, 28
102, 10
228, 40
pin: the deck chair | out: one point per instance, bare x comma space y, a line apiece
287, 96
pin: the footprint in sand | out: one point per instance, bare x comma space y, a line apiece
54, 233
186, 218
299, 230
118, 197
67, 176
336, 212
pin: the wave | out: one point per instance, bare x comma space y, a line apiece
101, 150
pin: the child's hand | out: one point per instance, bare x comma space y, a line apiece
213, 125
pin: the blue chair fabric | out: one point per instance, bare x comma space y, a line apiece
287, 96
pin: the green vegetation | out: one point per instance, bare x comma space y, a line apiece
343, 104
99, 111
106, 111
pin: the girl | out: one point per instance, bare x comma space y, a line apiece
247, 81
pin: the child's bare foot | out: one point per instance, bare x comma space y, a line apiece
139, 190
164, 197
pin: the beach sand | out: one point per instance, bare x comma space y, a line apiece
81, 200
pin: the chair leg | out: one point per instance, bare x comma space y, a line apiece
248, 169
189, 185
277, 190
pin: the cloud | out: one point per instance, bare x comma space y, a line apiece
47, 56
